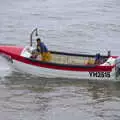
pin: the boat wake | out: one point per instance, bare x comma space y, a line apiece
4, 67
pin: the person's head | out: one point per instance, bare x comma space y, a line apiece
38, 40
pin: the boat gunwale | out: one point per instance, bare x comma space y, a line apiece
76, 54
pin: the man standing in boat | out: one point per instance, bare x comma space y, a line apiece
41, 47
43, 50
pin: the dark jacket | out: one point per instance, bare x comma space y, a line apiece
42, 48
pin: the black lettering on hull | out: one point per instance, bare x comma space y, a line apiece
100, 74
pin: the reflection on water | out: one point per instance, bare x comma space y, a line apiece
69, 25
50, 98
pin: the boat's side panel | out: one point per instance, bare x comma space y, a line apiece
46, 72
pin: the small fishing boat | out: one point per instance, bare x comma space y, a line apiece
62, 64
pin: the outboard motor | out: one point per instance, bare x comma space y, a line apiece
117, 68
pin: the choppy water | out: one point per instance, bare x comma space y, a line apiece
69, 25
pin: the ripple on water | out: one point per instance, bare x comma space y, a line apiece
69, 25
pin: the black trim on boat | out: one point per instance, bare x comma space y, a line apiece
73, 54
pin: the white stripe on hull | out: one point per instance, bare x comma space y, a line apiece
46, 72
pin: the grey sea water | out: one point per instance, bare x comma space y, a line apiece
69, 25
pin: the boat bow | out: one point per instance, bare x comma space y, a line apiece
11, 50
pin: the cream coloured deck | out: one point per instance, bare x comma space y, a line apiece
62, 59
75, 60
